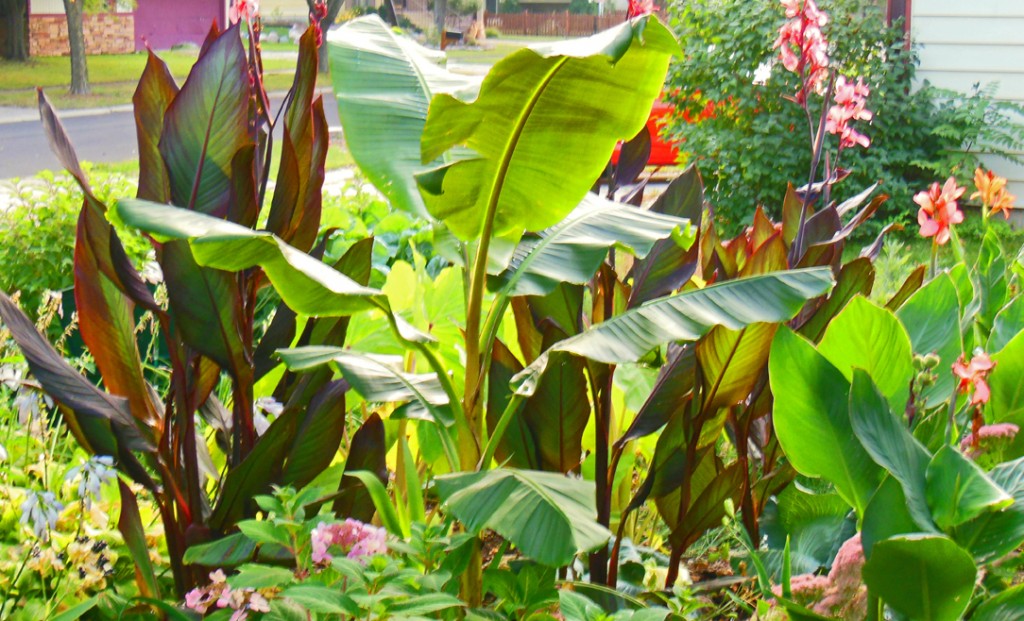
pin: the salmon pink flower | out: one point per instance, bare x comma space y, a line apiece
243, 9
850, 101
972, 375
939, 210
802, 46
637, 8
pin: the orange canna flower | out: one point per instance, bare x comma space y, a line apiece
1003, 202
988, 184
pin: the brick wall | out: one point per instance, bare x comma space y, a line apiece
105, 33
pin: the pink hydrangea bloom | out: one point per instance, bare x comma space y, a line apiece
242, 601
356, 539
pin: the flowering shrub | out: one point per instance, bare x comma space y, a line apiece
748, 150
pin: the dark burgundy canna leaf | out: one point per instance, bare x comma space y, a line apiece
517, 448
856, 278
206, 125
368, 451
130, 525
319, 435
670, 393
154, 94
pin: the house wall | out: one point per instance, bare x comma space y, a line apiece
163, 24
105, 33
963, 43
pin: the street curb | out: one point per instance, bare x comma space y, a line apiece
23, 115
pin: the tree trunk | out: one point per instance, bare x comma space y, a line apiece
76, 39
440, 15
333, 8
13, 13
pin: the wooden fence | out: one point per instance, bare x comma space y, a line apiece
560, 24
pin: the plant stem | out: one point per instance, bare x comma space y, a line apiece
933, 265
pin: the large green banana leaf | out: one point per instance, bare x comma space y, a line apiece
542, 129
688, 316
572, 250
384, 82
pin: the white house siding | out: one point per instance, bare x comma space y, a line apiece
965, 42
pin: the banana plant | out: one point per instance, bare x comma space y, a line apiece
205, 147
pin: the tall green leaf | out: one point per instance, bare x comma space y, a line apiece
926, 577
542, 129
932, 319
812, 419
1006, 402
548, 516
959, 490
996, 533
688, 316
868, 337
384, 82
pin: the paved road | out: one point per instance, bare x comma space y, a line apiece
103, 136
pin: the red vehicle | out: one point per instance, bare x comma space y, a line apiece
663, 152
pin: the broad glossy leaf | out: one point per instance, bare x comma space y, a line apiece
924, 577
152, 97
886, 515
384, 83
224, 552
958, 490
1006, 402
517, 448
891, 445
687, 316
812, 419
318, 436
1009, 323
101, 422
367, 452
548, 516
855, 278
558, 412
671, 391
707, 510
816, 525
1006, 606
320, 598
991, 285
907, 289
542, 129
932, 319
668, 265
865, 336
308, 286
996, 533
205, 125
731, 362
377, 378
572, 250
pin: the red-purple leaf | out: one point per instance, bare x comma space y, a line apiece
319, 435
206, 125
130, 525
368, 451
154, 94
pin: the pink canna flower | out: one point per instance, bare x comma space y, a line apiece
638, 8
802, 46
850, 101
939, 210
999, 431
973, 376
243, 9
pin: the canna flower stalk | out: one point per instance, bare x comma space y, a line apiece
938, 212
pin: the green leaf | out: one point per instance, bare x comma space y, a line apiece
263, 532
206, 124
517, 447
422, 605
997, 533
542, 129
926, 577
932, 319
812, 419
891, 445
549, 517
224, 552
959, 490
378, 378
134, 534
731, 362
319, 598
868, 337
855, 278
1009, 323
1006, 402
76, 611
384, 83
572, 250
1006, 606
381, 501
253, 576
688, 316
816, 525
307, 285
668, 265
886, 515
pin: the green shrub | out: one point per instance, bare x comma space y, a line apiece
749, 140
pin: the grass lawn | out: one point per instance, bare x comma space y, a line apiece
113, 78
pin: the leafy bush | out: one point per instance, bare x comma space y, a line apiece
749, 140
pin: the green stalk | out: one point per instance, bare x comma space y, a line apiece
499, 431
